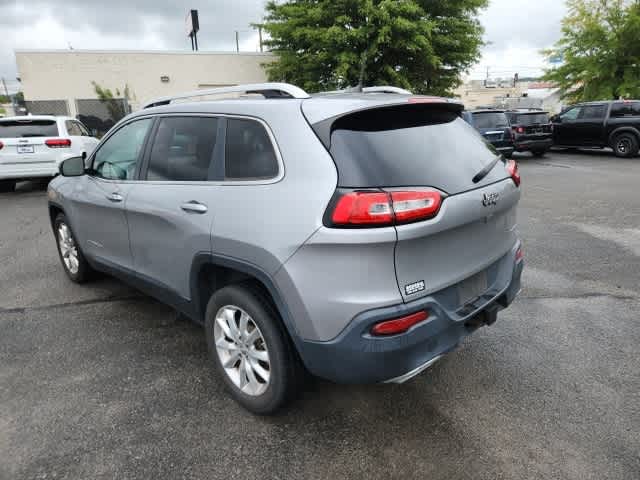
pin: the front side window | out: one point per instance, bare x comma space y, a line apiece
118, 157
249, 153
183, 149
571, 114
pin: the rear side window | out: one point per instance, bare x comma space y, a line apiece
249, 153
28, 128
593, 112
410, 145
490, 120
529, 119
73, 129
183, 149
625, 109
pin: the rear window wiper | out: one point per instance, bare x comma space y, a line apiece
486, 169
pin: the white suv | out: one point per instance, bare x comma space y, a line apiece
34, 146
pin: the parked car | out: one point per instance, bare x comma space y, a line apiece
614, 124
532, 130
338, 234
494, 126
34, 146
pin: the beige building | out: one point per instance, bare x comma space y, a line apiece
66, 76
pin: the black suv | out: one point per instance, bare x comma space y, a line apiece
614, 124
493, 125
532, 131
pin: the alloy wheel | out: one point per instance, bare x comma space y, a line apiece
68, 249
242, 350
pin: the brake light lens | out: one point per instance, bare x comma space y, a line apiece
58, 143
518, 129
363, 208
386, 208
514, 172
519, 254
1, 145
398, 325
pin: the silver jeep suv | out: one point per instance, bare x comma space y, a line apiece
355, 236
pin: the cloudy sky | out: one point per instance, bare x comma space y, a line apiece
515, 29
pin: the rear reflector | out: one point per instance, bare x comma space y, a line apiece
58, 143
514, 172
385, 208
399, 325
519, 254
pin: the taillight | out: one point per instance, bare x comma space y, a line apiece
514, 172
385, 208
58, 143
363, 208
412, 206
518, 129
519, 254
1, 145
399, 325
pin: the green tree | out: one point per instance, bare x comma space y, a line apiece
115, 106
421, 45
600, 51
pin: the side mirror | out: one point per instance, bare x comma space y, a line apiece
556, 119
72, 167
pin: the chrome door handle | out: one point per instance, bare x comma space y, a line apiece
115, 197
194, 207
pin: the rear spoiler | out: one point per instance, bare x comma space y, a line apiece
324, 128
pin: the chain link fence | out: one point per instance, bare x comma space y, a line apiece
47, 107
100, 115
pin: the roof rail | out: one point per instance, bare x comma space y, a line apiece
386, 89
268, 90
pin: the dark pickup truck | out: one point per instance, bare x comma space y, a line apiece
614, 124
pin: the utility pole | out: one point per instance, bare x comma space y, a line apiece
260, 36
237, 43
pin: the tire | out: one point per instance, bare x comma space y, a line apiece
7, 186
78, 270
273, 354
625, 145
538, 153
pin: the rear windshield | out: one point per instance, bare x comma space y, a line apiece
525, 119
415, 145
490, 120
28, 128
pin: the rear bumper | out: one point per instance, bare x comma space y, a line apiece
506, 150
527, 145
355, 356
28, 170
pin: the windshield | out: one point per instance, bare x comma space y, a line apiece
490, 120
529, 119
410, 146
28, 128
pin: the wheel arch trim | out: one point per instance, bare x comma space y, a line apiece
202, 259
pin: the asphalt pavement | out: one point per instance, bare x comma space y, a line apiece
102, 382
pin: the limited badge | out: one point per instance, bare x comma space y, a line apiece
414, 287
